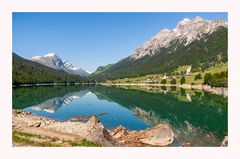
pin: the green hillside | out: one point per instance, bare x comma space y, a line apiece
101, 69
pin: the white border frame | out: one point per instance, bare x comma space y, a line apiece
9, 6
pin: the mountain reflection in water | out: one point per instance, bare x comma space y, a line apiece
52, 105
196, 117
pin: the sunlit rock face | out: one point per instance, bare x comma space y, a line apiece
54, 61
185, 32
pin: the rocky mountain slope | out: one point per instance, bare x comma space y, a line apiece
186, 32
197, 42
54, 61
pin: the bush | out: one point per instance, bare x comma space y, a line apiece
173, 81
216, 79
173, 88
182, 80
164, 88
207, 78
198, 76
182, 92
164, 81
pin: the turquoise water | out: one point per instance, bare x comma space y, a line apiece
196, 117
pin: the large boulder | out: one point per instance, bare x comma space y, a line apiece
160, 135
97, 132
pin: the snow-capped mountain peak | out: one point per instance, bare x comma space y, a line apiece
50, 55
89, 72
54, 61
68, 65
36, 57
186, 31
198, 19
184, 22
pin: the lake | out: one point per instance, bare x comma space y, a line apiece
197, 117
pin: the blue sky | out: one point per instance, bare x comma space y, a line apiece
89, 40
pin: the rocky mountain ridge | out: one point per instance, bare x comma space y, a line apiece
54, 61
186, 32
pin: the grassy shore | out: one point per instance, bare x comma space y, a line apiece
27, 139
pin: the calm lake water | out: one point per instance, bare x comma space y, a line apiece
197, 117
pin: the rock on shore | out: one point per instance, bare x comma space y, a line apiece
93, 130
225, 142
160, 135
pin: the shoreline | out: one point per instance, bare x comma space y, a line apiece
90, 133
51, 84
206, 88
93, 130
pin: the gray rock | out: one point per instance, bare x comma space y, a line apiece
37, 124
225, 142
160, 135
119, 131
